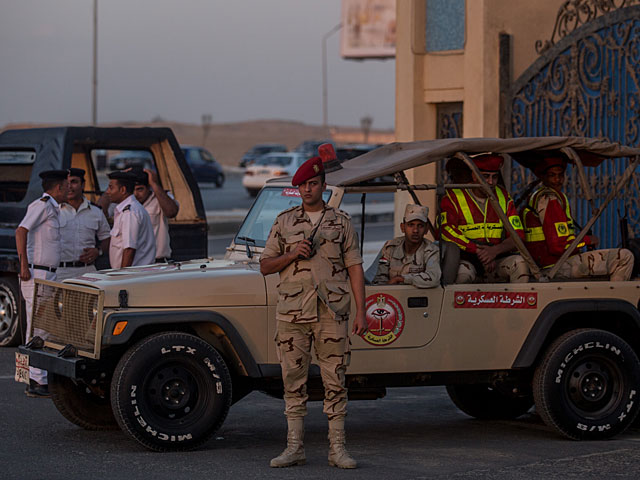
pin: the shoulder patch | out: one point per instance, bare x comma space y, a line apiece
128, 207
44, 199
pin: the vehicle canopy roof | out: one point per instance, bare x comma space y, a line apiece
397, 157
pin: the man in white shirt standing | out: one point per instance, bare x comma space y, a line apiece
38, 245
81, 226
132, 239
160, 205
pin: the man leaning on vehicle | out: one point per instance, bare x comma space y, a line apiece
315, 250
410, 259
550, 229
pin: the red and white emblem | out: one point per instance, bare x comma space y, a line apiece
385, 319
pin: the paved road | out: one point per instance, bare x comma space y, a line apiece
412, 433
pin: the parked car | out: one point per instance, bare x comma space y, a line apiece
205, 168
260, 149
269, 166
309, 148
131, 158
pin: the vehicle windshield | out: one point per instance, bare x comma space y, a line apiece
276, 160
270, 202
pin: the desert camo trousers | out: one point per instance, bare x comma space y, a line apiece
617, 263
512, 269
331, 344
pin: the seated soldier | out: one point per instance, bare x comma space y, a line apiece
411, 259
549, 231
468, 221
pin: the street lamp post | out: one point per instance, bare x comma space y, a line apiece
94, 90
324, 73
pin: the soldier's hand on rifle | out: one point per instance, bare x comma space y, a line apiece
303, 249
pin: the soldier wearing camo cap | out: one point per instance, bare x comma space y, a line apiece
315, 250
410, 259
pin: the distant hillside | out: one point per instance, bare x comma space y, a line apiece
228, 141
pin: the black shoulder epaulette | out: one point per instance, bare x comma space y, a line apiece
95, 205
128, 207
44, 199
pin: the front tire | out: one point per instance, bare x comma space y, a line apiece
10, 318
171, 392
488, 403
587, 385
219, 180
81, 405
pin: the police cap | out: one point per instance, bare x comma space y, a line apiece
54, 174
488, 162
549, 162
76, 172
127, 178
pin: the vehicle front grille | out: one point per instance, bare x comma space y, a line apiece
67, 314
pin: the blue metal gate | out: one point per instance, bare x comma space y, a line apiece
587, 84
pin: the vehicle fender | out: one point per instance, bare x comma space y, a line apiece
552, 312
137, 320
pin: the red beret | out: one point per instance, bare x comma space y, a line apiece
549, 162
488, 162
307, 170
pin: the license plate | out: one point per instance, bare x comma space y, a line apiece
22, 367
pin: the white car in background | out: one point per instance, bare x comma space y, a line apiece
271, 165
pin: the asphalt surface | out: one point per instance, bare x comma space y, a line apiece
412, 433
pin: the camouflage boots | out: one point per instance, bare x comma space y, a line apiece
338, 455
294, 453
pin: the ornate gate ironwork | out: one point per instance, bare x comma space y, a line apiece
587, 84
449, 126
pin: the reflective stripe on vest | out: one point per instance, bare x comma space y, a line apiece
486, 230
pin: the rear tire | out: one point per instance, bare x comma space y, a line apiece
171, 392
488, 403
219, 180
11, 322
78, 404
587, 385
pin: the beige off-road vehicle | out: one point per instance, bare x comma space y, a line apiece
163, 351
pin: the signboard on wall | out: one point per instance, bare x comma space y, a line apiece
368, 29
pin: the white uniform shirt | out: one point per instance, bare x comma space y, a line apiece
43, 240
132, 229
79, 229
160, 225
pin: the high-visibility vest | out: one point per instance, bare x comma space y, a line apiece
480, 223
534, 235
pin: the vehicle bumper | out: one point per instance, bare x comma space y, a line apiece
47, 359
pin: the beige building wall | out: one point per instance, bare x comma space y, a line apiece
471, 75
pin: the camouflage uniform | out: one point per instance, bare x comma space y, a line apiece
549, 231
313, 305
421, 268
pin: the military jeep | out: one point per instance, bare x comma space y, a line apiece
163, 351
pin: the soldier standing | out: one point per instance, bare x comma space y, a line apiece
549, 230
132, 240
469, 221
314, 248
38, 245
410, 259
81, 224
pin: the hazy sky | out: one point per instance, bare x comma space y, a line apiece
235, 59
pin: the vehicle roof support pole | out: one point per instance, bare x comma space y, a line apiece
403, 184
363, 199
533, 266
586, 188
621, 183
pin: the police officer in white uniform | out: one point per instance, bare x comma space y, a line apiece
81, 223
38, 245
160, 205
132, 239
